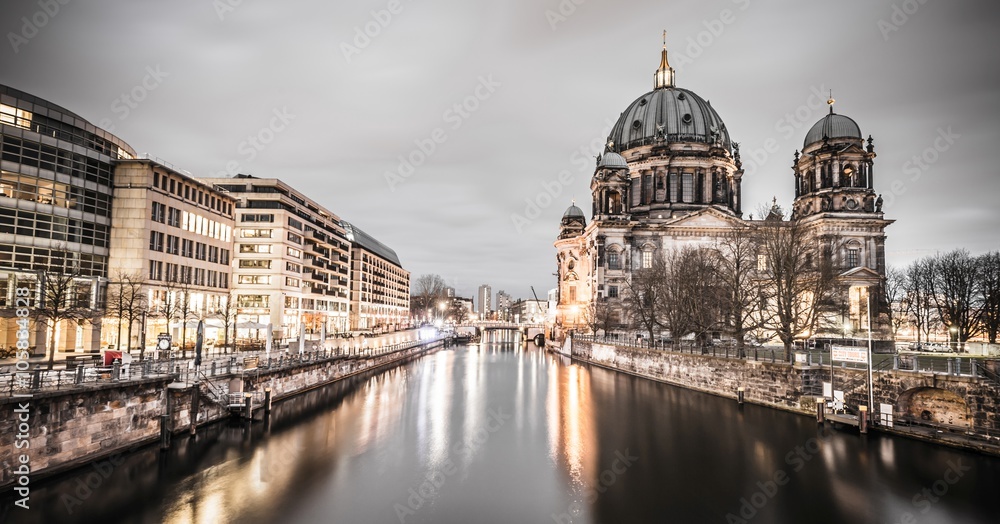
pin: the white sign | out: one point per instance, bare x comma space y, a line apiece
849, 354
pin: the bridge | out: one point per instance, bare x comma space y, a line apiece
530, 331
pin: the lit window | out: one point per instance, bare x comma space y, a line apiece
761, 263
15, 117
647, 259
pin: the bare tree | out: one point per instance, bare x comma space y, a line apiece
642, 298
798, 279
427, 290
116, 304
701, 294
64, 296
989, 294
895, 294
919, 304
184, 311
736, 273
458, 312
953, 289
598, 315
227, 315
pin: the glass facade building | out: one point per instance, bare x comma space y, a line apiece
56, 184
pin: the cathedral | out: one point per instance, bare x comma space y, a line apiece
670, 176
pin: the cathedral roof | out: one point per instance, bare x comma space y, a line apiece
574, 212
671, 114
612, 160
832, 126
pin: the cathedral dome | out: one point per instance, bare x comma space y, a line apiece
574, 212
832, 126
671, 114
612, 160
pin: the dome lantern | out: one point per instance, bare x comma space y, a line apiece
664, 76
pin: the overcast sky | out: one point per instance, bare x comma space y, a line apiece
337, 93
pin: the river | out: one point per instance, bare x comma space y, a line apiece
504, 433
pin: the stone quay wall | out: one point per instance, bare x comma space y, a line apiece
72, 427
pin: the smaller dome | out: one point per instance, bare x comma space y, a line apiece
832, 126
612, 160
574, 212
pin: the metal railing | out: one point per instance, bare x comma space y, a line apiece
182, 370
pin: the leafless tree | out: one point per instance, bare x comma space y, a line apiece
427, 291
184, 311
64, 295
700, 296
458, 312
953, 290
642, 298
918, 300
989, 294
598, 315
227, 315
895, 294
798, 279
740, 293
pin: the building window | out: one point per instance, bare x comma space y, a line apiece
174, 217
258, 217
647, 259
158, 212
155, 270
572, 293
612, 291
292, 237
252, 301
224, 257
687, 187
255, 248
292, 252
853, 257
293, 282
294, 268
156, 241
187, 248
255, 264
613, 261
254, 279
255, 233
295, 223
761, 263
173, 245
674, 186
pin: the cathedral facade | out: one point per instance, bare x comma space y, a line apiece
670, 176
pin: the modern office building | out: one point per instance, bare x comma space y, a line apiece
291, 260
56, 180
503, 305
380, 287
484, 298
172, 235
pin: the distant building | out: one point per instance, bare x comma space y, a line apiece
485, 299
530, 311
292, 260
380, 287
503, 305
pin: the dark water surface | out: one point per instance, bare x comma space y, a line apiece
500, 434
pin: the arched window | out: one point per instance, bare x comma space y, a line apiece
852, 254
